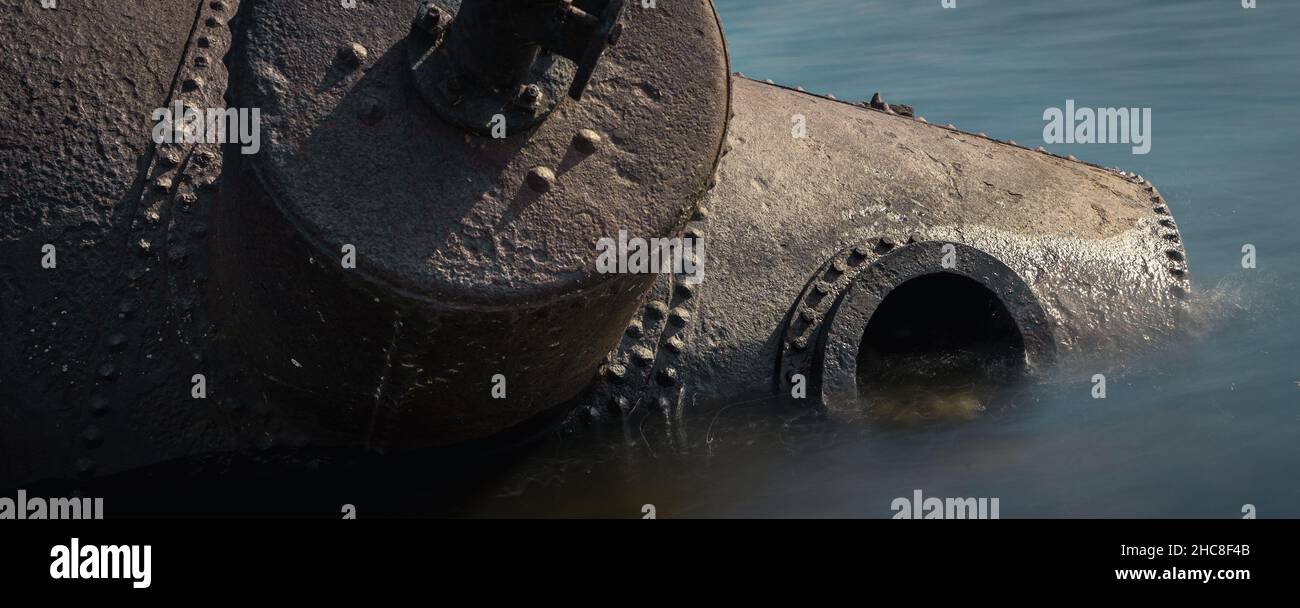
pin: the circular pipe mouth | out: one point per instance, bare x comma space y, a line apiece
931, 330
938, 347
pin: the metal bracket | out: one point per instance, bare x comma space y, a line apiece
500, 58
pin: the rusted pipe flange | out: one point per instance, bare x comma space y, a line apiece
834, 370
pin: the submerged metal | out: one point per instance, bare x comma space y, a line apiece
398, 268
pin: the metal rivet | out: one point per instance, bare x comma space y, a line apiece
679, 317
676, 345
372, 111
635, 330
85, 467
684, 290
541, 180
169, 158
351, 56
587, 141
656, 310
616, 373
642, 356
92, 437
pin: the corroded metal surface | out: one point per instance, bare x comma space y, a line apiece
1097, 248
95, 371
475, 255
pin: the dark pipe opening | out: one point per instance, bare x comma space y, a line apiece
938, 347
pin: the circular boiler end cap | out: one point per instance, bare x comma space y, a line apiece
449, 218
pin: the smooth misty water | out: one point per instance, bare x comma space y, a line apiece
1196, 430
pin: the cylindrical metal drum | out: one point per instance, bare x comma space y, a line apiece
418, 283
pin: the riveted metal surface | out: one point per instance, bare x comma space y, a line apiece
128, 219
495, 249
1086, 240
468, 234
834, 377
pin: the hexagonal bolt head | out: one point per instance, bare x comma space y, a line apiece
431, 20
530, 97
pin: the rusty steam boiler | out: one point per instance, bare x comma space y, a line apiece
405, 254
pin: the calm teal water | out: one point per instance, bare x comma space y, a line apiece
1198, 430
